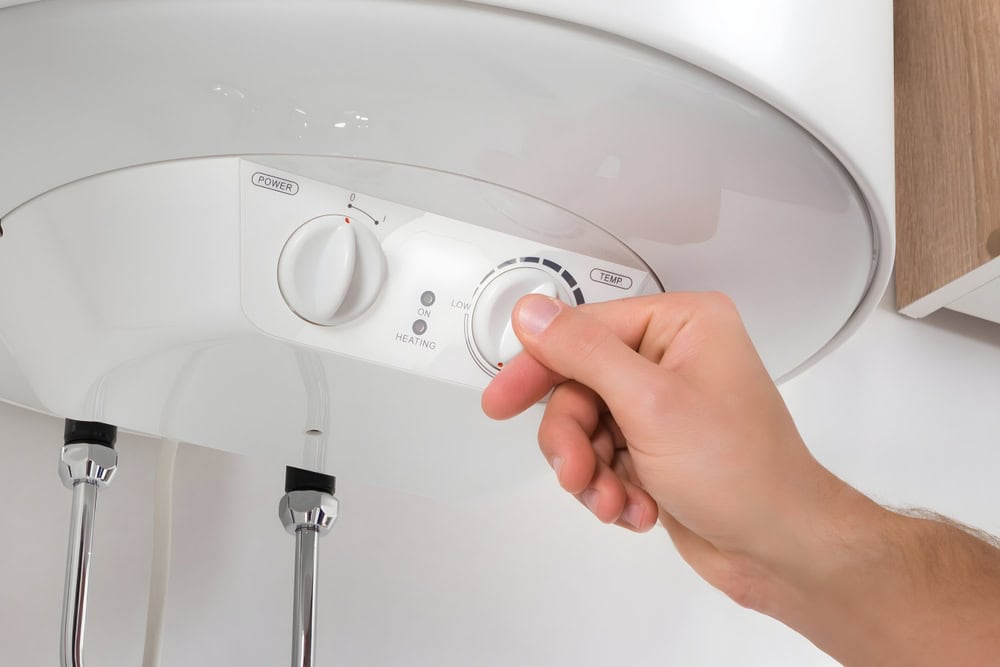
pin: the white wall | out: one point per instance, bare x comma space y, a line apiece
907, 410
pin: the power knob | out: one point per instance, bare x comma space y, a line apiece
331, 270
491, 334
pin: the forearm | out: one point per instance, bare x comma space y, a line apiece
872, 587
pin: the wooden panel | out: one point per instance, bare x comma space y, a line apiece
947, 58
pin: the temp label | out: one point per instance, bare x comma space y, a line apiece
282, 185
611, 278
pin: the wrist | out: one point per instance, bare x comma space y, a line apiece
823, 529
823, 569
870, 586
816, 527
799, 531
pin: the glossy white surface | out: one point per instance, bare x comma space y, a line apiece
685, 168
200, 345
575, 134
828, 65
523, 578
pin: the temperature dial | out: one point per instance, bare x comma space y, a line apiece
489, 330
331, 270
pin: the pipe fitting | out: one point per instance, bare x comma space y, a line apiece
88, 463
314, 510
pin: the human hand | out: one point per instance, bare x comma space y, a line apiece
663, 409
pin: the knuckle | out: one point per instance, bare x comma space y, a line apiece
713, 314
718, 303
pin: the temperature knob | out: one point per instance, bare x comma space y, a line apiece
490, 330
331, 270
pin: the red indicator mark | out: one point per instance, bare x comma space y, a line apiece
347, 220
499, 364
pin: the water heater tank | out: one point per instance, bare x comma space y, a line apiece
296, 229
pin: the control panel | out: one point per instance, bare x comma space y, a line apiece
349, 273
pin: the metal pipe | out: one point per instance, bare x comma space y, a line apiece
88, 463
81, 535
304, 602
308, 513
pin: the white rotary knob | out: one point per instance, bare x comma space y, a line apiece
331, 270
492, 331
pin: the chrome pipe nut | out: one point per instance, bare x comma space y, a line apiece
307, 509
87, 462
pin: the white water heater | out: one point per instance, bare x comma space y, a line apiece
296, 229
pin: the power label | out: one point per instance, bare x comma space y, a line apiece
282, 185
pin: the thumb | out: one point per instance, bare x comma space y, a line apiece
582, 348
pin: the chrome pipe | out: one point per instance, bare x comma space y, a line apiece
81, 535
84, 468
308, 515
304, 598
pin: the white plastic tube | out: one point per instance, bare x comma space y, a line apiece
159, 575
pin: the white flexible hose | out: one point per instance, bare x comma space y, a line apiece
159, 574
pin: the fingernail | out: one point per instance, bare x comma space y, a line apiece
556, 463
536, 313
633, 515
591, 498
